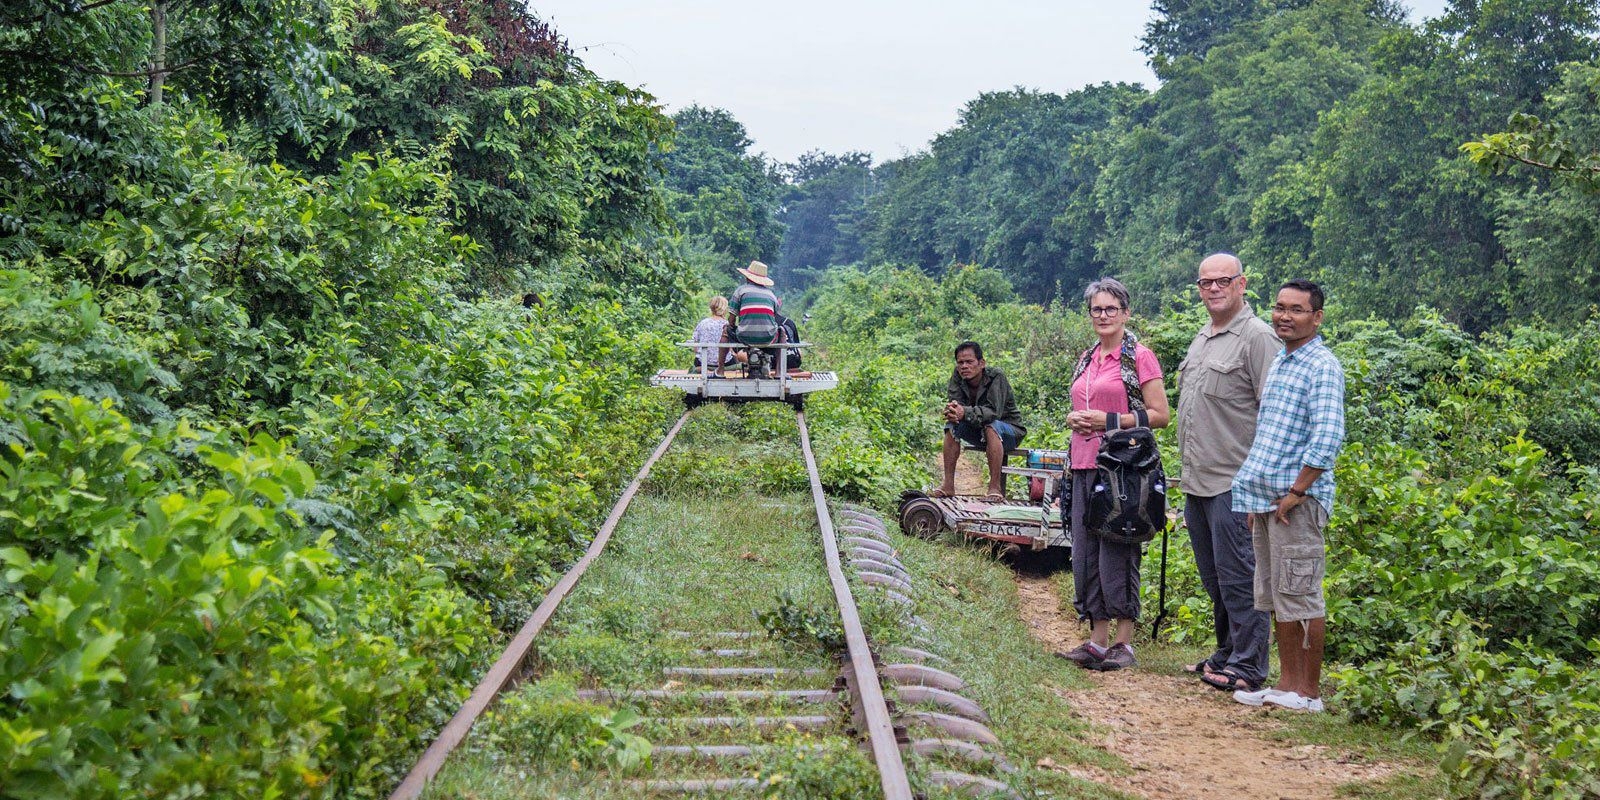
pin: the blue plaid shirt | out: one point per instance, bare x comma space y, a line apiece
1301, 423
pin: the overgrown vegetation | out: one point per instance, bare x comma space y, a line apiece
1464, 597
323, 325
1315, 139
281, 452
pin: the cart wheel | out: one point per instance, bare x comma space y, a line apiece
921, 518
692, 401
797, 402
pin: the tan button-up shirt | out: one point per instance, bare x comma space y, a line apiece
1219, 391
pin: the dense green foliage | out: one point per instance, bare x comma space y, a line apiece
822, 208
1464, 595
722, 196
1318, 140
277, 460
323, 322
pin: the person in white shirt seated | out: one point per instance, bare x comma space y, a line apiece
709, 331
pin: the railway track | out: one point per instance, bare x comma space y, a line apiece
736, 697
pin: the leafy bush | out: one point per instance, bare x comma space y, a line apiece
58, 337
1504, 547
161, 634
790, 621
1515, 722
546, 723
451, 440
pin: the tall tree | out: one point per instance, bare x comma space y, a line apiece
822, 212
1549, 214
723, 197
546, 160
1400, 216
82, 86
1207, 148
993, 189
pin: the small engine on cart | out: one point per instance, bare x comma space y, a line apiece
760, 365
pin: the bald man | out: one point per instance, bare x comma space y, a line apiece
1220, 384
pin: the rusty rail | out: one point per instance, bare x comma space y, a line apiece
871, 710
880, 728
501, 673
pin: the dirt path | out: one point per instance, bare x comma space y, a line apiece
1174, 731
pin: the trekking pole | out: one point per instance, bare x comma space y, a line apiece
1161, 601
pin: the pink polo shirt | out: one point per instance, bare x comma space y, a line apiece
1100, 388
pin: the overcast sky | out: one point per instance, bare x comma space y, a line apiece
883, 76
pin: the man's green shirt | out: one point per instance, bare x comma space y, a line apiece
992, 400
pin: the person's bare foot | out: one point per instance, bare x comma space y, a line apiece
944, 490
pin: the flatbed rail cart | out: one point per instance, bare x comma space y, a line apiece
1032, 525
741, 385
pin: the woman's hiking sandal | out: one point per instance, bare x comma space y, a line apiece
1202, 667
1229, 680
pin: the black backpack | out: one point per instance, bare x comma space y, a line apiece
1128, 501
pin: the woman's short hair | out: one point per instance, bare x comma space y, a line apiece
719, 306
1110, 286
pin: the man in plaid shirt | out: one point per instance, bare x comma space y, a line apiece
1286, 485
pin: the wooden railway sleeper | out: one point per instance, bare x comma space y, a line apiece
814, 696
922, 675
735, 673
851, 515
863, 554
950, 701
918, 655
963, 750
713, 634
716, 752
850, 512
971, 785
802, 722
955, 727
718, 785
866, 532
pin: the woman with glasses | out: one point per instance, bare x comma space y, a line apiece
1112, 380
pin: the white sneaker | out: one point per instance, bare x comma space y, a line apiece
1296, 702
1257, 697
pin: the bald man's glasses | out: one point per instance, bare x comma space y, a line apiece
1220, 283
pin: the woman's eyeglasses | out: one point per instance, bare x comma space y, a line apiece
1105, 311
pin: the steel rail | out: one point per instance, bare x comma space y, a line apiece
505, 668
880, 728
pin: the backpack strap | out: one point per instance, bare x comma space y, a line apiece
1130, 377
1083, 364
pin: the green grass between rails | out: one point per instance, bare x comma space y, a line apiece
696, 553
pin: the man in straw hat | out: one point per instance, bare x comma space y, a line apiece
755, 309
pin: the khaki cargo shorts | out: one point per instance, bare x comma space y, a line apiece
1290, 562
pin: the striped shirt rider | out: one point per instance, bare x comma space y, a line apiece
756, 308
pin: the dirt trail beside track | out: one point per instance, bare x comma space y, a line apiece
1182, 738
